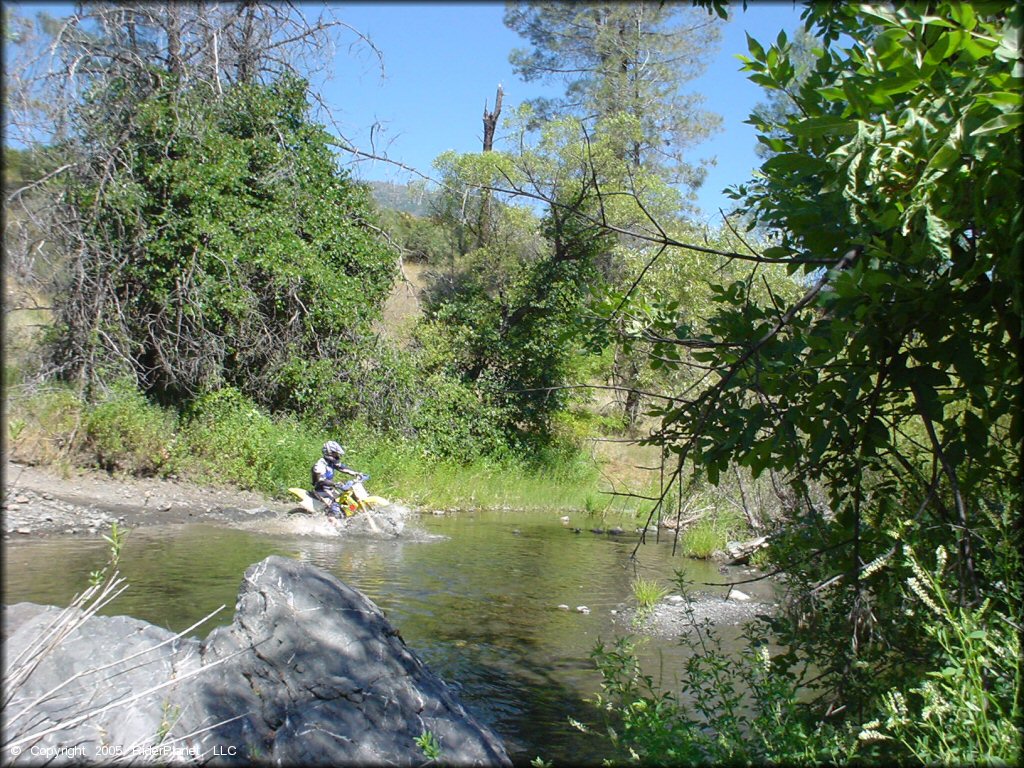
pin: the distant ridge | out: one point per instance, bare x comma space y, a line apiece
414, 199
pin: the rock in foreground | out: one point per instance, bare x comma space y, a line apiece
310, 672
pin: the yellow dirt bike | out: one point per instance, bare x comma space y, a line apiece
353, 498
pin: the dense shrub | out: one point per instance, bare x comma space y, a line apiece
455, 421
126, 432
226, 439
225, 246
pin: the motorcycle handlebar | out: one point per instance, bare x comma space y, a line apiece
348, 486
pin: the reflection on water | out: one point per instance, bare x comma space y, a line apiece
479, 605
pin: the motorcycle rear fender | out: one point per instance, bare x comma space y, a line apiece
305, 500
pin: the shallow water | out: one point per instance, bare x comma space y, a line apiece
476, 595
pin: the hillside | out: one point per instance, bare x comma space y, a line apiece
413, 198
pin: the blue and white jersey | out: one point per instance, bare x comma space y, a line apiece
323, 474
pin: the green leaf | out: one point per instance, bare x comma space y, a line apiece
889, 42
975, 430
900, 83
879, 14
792, 161
943, 159
938, 232
999, 98
755, 48
976, 49
827, 125
1017, 426
936, 21
945, 46
1001, 124
963, 14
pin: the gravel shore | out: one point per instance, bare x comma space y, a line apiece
39, 501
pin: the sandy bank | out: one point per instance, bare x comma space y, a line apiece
39, 501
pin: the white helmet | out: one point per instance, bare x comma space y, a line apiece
333, 450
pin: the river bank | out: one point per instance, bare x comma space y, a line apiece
507, 605
39, 501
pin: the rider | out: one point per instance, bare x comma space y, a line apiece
324, 473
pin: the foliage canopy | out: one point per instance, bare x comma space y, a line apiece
223, 246
894, 381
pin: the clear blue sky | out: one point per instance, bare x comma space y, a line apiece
443, 61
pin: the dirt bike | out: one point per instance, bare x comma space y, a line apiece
352, 499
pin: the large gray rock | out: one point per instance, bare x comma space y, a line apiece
101, 666
309, 673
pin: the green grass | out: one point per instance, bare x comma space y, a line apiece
399, 469
648, 592
225, 440
703, 539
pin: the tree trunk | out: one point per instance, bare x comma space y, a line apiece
490, 123
211, 37
491, 120
246, 65
174, 62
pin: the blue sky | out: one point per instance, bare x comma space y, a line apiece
443, 61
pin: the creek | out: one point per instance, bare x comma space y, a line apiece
477, 600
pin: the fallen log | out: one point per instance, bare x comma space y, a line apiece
739, 552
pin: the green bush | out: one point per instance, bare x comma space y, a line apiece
315, 389
730, 710
751, 707
963, 710
454, 421
127, 433
233, 207
289, 450
226, 439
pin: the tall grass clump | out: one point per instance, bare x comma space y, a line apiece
712, 532
52, 419
404, 467
703, 539
648, 592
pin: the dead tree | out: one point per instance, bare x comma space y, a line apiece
490, 123
491, 120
